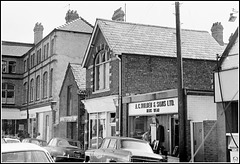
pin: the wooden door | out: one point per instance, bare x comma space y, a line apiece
197, 140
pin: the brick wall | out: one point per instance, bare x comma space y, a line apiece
144, 74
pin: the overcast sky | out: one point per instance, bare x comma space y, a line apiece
18, 18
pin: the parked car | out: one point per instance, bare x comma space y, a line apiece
65, 150
24, 152
3, 141
12, 140
35, 141
94, 142
123, 149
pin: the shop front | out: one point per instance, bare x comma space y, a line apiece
101, 123
158, 118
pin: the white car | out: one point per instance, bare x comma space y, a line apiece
24, 152
12, 140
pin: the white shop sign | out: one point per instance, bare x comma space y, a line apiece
68, 119
162, 106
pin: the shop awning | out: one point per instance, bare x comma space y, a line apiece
103, 104
11, 114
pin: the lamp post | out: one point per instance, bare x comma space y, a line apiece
116, 103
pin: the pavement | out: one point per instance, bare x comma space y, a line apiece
172, 159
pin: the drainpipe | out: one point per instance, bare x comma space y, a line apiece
118, 112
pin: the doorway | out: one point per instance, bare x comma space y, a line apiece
197, 140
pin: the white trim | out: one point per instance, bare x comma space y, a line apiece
101, 104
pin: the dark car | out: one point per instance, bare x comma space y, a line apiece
123, 149
35, 141
65, 150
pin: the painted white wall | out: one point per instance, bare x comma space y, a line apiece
201, 108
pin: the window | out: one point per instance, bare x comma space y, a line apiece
50, 82
31, 89
112, 144
47, 50
44, 52
102, 70
45, 85
38, 56
4, 66
25, 92
52, 46
32, 60
8, 92
25, 65
12, 67
38, 88
69, 101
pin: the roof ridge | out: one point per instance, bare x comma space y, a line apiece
66, 24
121, 22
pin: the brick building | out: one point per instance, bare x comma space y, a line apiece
130, 67
71, 109
43, 67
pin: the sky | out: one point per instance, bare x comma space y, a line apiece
18, 18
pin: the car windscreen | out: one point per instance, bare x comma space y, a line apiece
137, 145
25, 156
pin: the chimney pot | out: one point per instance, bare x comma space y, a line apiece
71, 15
217, 32
38, 32
118, 15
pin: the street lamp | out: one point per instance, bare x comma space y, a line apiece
116, 103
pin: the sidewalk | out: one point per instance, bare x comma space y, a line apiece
172, 159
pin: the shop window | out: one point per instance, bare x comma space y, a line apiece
8, 93
4, 66
102, 70
12, 67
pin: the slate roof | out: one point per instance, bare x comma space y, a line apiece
132, 38
79, 75
15, 48
78, 25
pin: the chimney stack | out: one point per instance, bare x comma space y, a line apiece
38, 32
217, 32
118, 15
71, 15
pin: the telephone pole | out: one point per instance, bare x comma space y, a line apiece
181, 108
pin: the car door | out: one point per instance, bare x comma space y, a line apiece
99, 154
109, 153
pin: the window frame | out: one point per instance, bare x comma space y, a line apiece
101, 71
7, 90
45, 80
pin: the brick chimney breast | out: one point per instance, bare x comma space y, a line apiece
38, 32
71, 15
217, 32
118, 15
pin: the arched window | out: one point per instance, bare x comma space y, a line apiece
38, 88
45, 84
102, 70
50, 82
25, 92
8, 93
31, 90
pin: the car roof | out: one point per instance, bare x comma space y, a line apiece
124, 138
34, 139
68, 139
13, 147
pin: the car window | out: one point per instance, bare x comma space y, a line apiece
105, 143
130, 144
25, 156
112, 144
53, 142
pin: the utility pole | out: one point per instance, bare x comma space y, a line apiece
181, 108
